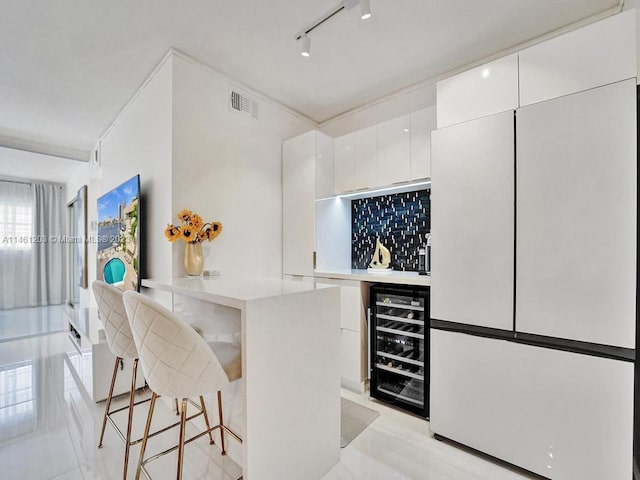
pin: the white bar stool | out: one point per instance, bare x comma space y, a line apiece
177, 362
120, 341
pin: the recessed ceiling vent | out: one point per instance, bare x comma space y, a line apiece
239, 102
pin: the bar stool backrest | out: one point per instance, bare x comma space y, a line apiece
114, 318
176, 361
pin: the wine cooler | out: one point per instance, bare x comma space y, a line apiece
399, 346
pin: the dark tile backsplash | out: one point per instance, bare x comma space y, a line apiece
401, 220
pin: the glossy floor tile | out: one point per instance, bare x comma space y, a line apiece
49, 429
32, 321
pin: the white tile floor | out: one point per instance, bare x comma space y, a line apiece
49, 429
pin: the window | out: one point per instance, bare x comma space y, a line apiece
15, 226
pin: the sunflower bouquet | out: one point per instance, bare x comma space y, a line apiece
193, 229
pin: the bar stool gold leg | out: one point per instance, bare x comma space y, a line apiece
206, 419
145, 436
183, 418
221, 422
108, 404
132, 398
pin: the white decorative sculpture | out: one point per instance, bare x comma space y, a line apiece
381, 257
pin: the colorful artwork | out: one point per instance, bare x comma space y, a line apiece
118, 235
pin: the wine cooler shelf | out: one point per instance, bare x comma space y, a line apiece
399, 336
411, 392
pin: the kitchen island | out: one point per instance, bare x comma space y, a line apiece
290, 336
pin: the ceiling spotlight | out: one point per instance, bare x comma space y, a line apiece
365, 9
306, 45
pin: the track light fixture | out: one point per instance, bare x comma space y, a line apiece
303, 35
305, 43
365, 9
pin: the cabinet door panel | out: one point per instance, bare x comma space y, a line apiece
481, 91
365, 172
423, 122
598, 54
576, 210
472, 222
298, 204
562, 415
394, 151
324, 166
343, 160
350, 355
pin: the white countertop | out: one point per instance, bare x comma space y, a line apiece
395, 276
230, 291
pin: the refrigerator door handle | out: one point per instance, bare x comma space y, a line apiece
369, 342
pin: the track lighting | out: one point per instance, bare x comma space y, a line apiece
365, 9
305, 42
302, 35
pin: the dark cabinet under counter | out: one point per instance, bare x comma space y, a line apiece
399, 347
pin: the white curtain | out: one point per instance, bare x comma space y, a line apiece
32, 252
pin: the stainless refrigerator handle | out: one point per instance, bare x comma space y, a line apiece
369, 342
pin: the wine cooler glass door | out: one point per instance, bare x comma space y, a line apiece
398, 356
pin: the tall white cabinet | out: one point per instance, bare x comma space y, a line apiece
576, 211
307, 174
472, 198
543, 210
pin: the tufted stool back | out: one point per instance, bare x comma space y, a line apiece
114, 318
176, 361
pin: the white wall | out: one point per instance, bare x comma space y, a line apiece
139, 142
227, 166
628, 5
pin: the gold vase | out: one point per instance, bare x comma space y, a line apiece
193, 259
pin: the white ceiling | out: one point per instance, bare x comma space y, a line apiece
68, 66
36, 166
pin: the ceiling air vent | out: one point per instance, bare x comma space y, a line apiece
241, 103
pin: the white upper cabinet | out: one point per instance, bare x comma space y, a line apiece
577, 210
394, 151
365, 144
422, 123
324, 166
472, 222
599, 54
344, 163
485, 90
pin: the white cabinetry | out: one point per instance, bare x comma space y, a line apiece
394, 151
353, 330
576, 210
306, 166
391, 152
423, 122
599, 54
324, 166
344, 163
472, 222
481, 91
365, 173
353, 336
562, 415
